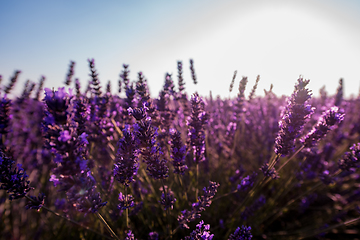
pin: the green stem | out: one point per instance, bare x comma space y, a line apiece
107, 226
197, 181
165, 191
70, 220
127, 209
301, 148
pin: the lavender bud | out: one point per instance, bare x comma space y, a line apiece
37, 202
329, 120
153, 236
169, 200
178, 152
201, 232
351, 159
243, 233
293, 118
196, 124
125, 201
13, 180
127, 164
269, 172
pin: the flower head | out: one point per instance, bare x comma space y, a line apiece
293, 118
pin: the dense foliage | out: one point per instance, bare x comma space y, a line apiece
98, 165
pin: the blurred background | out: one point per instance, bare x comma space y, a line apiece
278, 40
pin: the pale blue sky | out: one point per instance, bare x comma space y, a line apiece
279, 40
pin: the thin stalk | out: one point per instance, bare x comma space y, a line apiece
352, 221
127, 209
107, 226
301, 148
69, 219
197, 182
165, 191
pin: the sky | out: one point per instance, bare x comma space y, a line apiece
276, 39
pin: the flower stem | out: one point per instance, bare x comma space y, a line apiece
107, 226
69, 219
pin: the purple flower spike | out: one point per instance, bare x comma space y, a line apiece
127, 163
4, 115
13, 180
196, 124
37, 202
151, 152
178, 152
328, 121
196, 208
129, 235
169, 200
201, 232
269, 172
153, 236
57, 104
243, 233
293, 118
125, 201
351, 160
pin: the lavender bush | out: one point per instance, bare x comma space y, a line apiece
98, 165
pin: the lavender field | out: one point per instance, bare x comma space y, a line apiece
116, 163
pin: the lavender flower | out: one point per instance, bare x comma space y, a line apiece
70, 73
13, 179
169, 200
94, 76
329, 120
36, 203
178, 152
127, 164
252, 93
201, 232
241, 233
339, 93
293, 118
82, 194
351, 160
192, 70
13, 80
246, 182
196, 123
40, 87
129, 235
4, 115
125, 201
232, 82
57, 103
269, 172
152, 155
196, 208
240, 101
153, 236
181, 82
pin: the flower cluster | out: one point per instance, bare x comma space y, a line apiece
127, 164
13, 179
351, 159
204, 201
178, 152
329, 120
201, 232
241, 233
151, 152
196, 125
167, 198
293, 118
